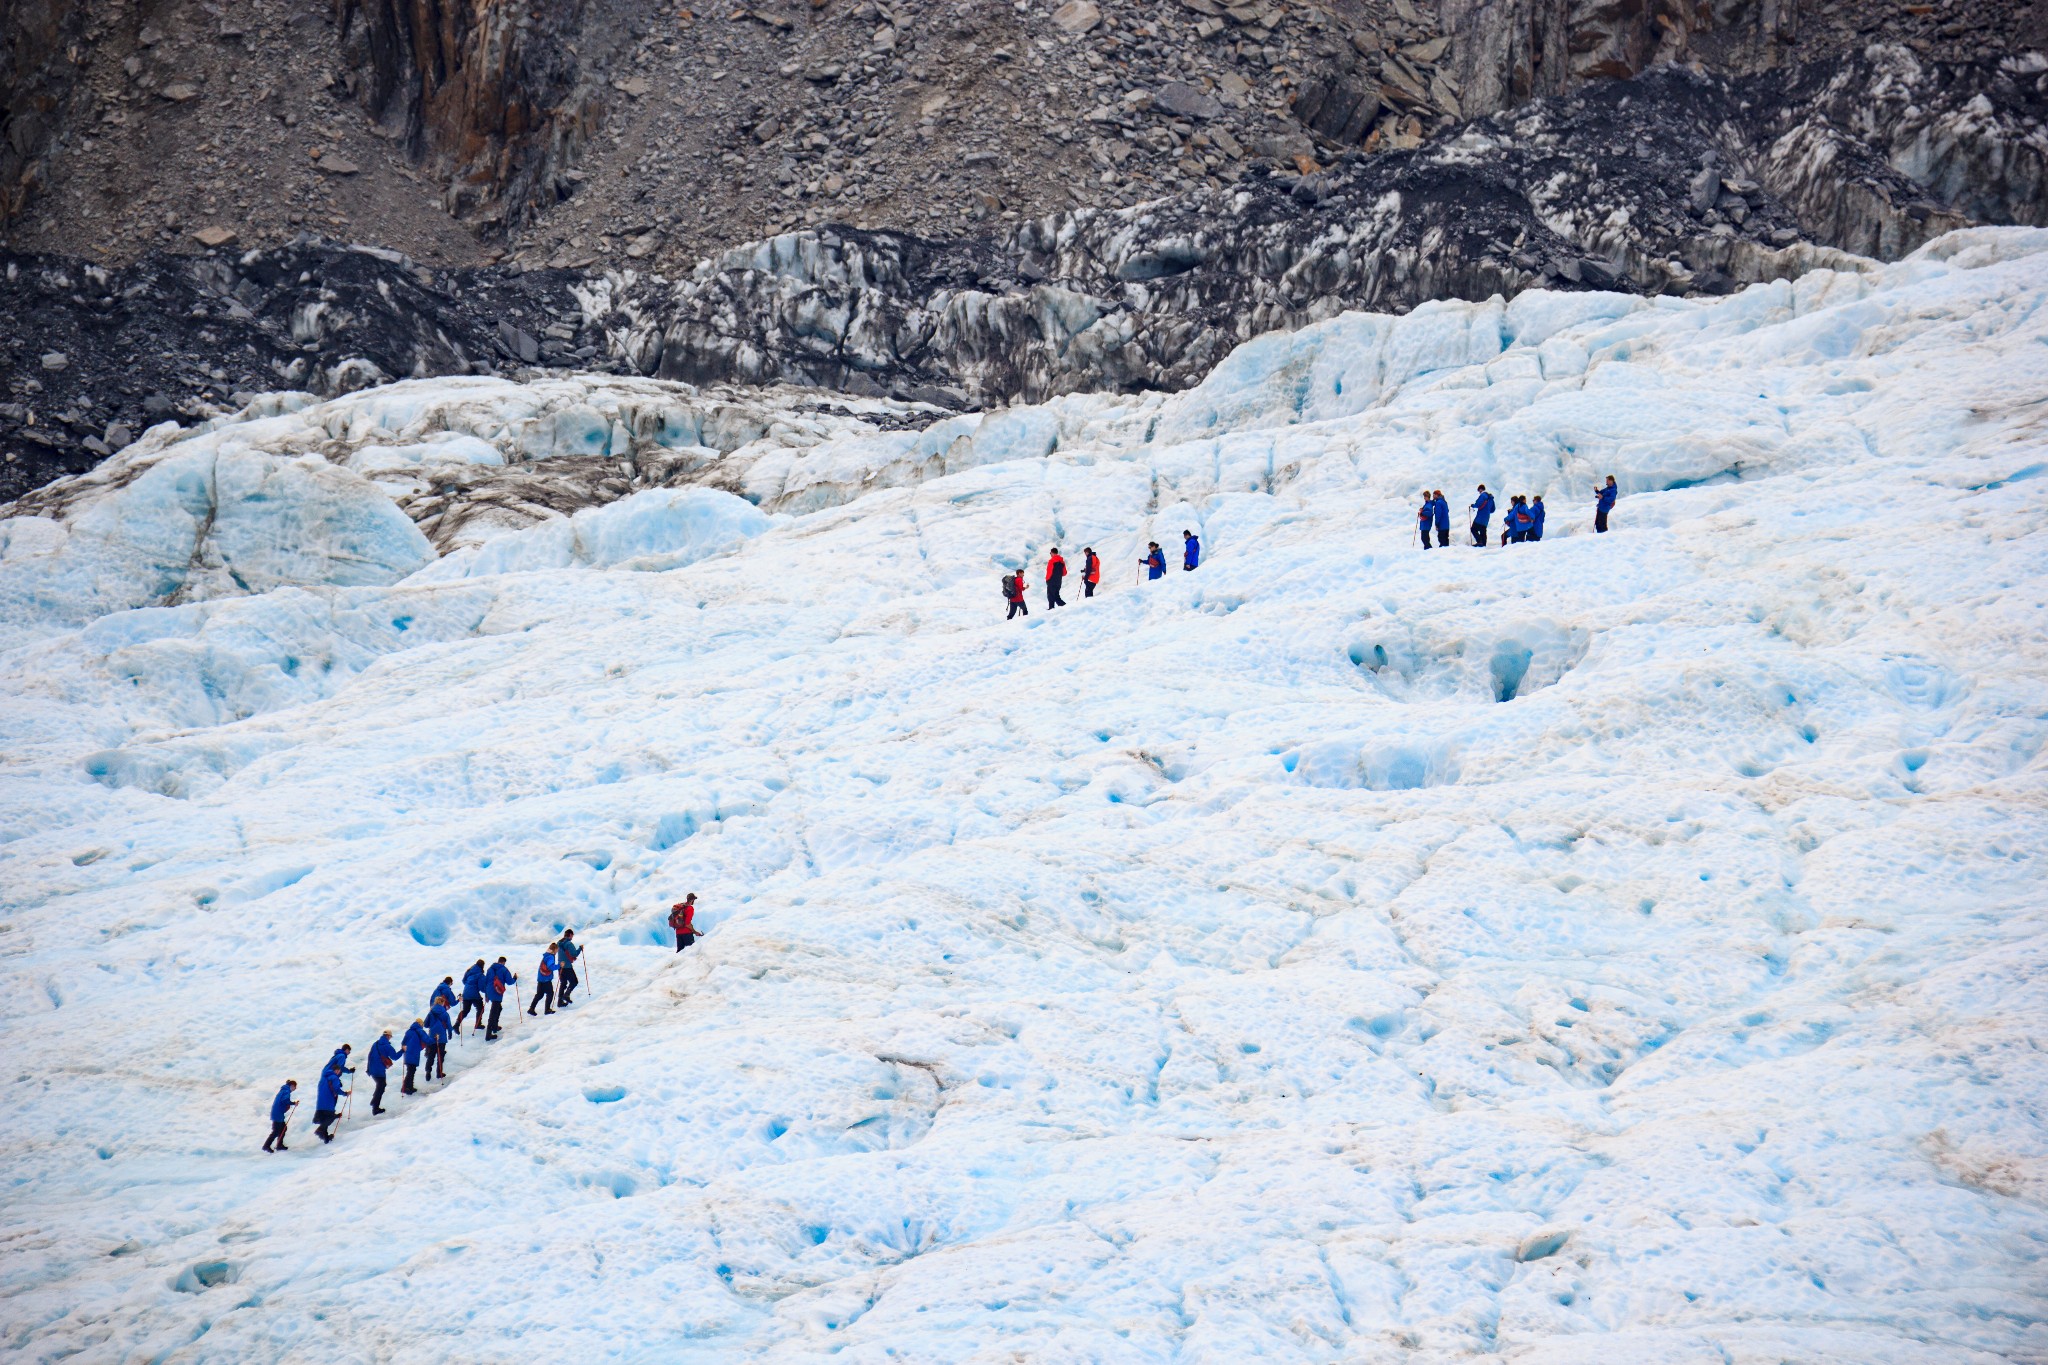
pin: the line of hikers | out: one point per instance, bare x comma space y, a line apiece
1522, 522
1153, 565
426, 1041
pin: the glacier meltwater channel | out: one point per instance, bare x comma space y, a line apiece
1625, 948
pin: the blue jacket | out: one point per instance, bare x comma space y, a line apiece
443, 994
282, 1105
339, 1061
1516, 520
330, 1090
547, 965
415, 1043
473, 983
497, 979
1482, 509
568, 952
1604, 499
1536, 517
382, 1055
1155, 563
439, 1025
1442, 508
1191, 552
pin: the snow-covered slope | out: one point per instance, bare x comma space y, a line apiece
1618, 949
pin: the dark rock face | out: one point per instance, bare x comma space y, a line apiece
39, 63
1674, 182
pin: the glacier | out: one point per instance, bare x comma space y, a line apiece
1623, 948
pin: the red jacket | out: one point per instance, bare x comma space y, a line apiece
1013, 587
1091, 569
1055, 567
681, 919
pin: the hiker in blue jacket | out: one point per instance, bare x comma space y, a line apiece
472, 994
567, 951
1155, 560
496, 981
1603, 503
544, 982
1535, 531
416, 1042
1190, 551
438, 1029
340, 1059
1424, 516
443, 994
280, 1115
1441, 509
1482, 512
327, 1103
382, 1055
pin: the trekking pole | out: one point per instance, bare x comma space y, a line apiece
586, 970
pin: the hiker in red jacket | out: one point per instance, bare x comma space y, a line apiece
1091, 571
682, 917
1055, 574
1013, 593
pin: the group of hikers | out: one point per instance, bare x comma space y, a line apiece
1153, 565
1522, 522
426, 1041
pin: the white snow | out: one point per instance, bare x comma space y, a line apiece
1618, 949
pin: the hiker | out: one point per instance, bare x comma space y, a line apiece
1442, 506
1482, 512
415, 1048
340, 1059
382, 1055
1091, 571
495, 981
1535, 531
1055, 574
443, 994
438, 1029
1515, 521
280, 1115
1603, 503
1424, 516
327, 1102
1155, 560
472, 994
1013, 593
567, 953
1190, 552
682, 917
544, 982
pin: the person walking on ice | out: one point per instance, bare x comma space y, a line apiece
1535, 531
1155, 560
496, 981
567, 953
327, 1102
1425, 516
544, 982
382, 1055
438, 1029
1190, 552
415, 1048
1482, 512
682, 917
1091, 571
472, 995
443, 994
1442, 506
1013, 593
1055, 575
1603, 503
280, 1117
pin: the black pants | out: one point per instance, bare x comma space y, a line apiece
1443, 536
1425, 537
1016, 606
322, 1120
543, 994
1600, 520
377, 1094
570, 981
1052, 594
684, 940
408, 1088
437, 1061
276, 1136
1532, 534
497, 1009
470, 1002
1478, 533
1087, 588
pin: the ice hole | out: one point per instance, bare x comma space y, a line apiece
1509, 666
430, 928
